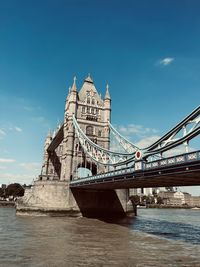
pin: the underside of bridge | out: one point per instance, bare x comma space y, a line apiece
182, 175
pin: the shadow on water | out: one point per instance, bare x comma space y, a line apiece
165, 229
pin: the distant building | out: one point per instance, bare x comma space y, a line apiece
194, 201
3, 186
179, 198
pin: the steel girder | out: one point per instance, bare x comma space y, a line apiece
182, 133
126, 145
99, 154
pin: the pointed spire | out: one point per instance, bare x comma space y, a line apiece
49, 133
107, 95
89, 79
74, 89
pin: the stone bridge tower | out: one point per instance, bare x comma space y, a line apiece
63, 155
92, 113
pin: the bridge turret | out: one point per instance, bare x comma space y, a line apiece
45, 167
107, 115
68, 139
107, 104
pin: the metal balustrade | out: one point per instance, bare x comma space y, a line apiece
102, 176
159, 164
183, 158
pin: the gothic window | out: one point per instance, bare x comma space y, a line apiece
89, 130
93, 101
88, 100
99, 133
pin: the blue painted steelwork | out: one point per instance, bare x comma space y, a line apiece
178, 159
127, 173
104, 175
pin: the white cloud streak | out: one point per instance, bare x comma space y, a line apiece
8, 178
166, 61
31, 166
2, 133
6, 160
139, 130
147, 141
18, 129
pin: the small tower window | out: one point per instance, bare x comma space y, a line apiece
99, 133
93, 101
92, 110
89, 130
88, 100
83, 109
88, 110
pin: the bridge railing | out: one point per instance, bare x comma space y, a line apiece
179, 159
104, 175
166, 162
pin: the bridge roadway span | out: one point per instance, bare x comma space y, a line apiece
181, 170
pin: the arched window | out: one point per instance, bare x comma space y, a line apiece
88, 100
89, 130
88, 110
92, 110
93, 101
99, 133
83, 109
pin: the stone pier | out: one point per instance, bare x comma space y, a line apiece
55, 198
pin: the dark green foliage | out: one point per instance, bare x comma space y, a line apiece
2, 192
15, 190
159, 200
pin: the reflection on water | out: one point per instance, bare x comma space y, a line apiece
62, 241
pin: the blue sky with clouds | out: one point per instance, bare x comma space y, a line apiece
148, 52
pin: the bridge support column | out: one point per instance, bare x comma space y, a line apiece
103, 203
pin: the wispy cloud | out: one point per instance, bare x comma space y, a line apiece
166, 61
31, 166
31, 108
8, 178
7, 160
133, 129
147, 141
3, 167
41, 120
18, 129
2, 133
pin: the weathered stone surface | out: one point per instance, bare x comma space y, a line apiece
48, 196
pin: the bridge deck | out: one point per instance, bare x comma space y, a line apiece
184, 174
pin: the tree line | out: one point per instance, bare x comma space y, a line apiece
12, 190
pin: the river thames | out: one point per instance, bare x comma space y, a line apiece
156, 237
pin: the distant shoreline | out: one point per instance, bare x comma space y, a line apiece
6, 204
157, 206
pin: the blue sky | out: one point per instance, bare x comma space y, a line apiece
148, 52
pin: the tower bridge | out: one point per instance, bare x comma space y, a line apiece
83, 141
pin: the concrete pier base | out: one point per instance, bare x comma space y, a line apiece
48, 198
55, 198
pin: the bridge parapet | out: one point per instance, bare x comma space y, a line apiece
183, 158
102, 176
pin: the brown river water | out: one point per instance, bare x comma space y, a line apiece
151, 239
